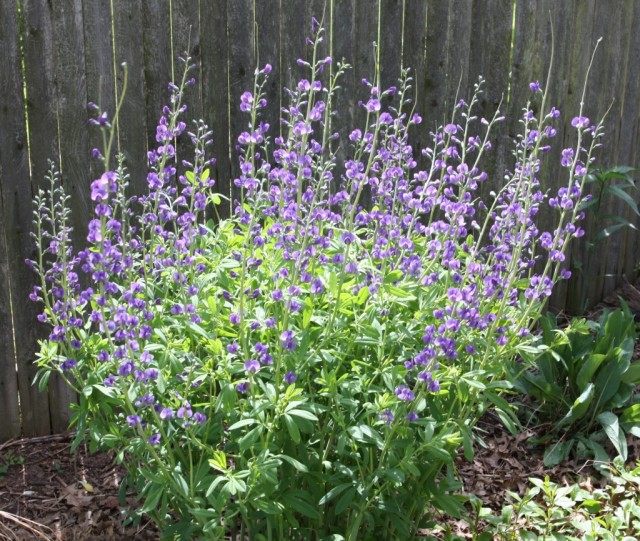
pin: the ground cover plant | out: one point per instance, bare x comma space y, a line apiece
308, 368
571, 512
583, 379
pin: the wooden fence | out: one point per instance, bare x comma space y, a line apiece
57, 55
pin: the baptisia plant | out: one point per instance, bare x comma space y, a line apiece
309, 367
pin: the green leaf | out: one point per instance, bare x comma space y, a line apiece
152, 499
335, 491
301, 506
182, 483
295, 463
631, 414
579, 407
219, 461
345, 500
292, 428
304, 414
609, 422
557, 452
632, 374
624, 196
243, 422
589, 367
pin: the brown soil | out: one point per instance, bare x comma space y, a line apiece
68, 496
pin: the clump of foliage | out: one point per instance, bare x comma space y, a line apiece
308, 368
576, 512
583, 379
605, 186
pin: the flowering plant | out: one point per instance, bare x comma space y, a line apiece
309, 367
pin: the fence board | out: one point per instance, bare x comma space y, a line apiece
132, 130
157, 62
215, 91
268, 17
70, 101
13, 173
17, 198
98, 65
241, 21
414, 57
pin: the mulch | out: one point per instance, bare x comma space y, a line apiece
67, 496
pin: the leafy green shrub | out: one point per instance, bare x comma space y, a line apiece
310, 367
605, 185
582, 379
570, 513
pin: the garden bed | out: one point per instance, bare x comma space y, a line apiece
75, 496
70, 496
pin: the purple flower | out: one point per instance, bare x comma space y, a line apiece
133, 420
251, 366
317, 286
450, 129
373, 105
246, 100
95, 231
288, 340
166, 413
154, 439
233, 348
199, 418
567, 157
243, 387
412, 416
234, 318
101, 187
387, 416
580, 122
404, 393
289, 378
534, 86
68, 364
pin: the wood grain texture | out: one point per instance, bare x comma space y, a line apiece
128, 47
214, 46
17, 201
242, 60
156, 35
98, 65
14, 175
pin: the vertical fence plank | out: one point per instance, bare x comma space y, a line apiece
98, 65
268, 15
132, 130
391, 41
531, 55
340, 26
73, 132
448, 40
489, 57
241, 17
628, 142
185, 37
17, 198
414, 57
610, 72
215, 90
157, 62
14, 174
